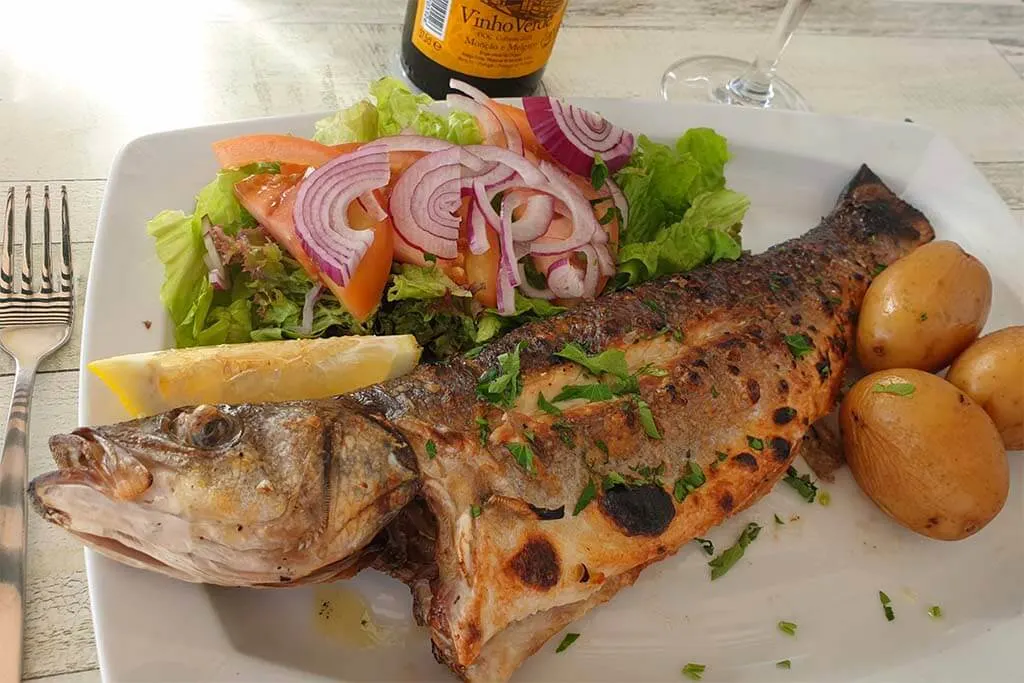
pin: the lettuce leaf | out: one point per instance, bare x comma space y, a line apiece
707, 233
680, 214
395, 109
179, 246
422, 282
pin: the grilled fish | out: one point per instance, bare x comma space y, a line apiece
528, 507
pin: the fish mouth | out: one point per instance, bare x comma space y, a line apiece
86, 457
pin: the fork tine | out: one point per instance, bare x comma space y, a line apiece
47, 282
5, 261
26, 252
66, 271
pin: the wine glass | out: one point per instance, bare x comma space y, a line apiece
732, 81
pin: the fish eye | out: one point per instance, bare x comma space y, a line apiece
205, 427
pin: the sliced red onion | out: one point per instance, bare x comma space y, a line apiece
604, 260
573, 136
376, 212
585, 225
529, 172
321, 210
620, 202
426, 197
529, 290
565, 280
307, 308
408, 143
592, 274
479, 243
506, 292
513, 140
489, 123
506, 243
534, 222
218, 274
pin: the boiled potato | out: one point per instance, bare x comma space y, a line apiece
991, 371
924, 452
924, 309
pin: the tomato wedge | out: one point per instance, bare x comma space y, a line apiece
530, 142
286, 149
482, 271
271, 201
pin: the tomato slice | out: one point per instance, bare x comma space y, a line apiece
530, 142
482, 271
286, 149
271, 201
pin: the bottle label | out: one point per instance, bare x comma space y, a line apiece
488, 38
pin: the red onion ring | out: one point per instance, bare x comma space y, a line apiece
426, 197
479, 243
368, 200
489, 123
321, 210
620, 202
575, 136
534, 222
565, 280
512, 138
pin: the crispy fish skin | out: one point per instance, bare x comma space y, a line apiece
737, 393
252, 495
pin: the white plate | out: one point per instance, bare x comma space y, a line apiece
822, 572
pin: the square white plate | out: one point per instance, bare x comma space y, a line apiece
822, 571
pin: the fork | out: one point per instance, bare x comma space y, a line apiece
33, 324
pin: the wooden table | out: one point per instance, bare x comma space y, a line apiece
78, 80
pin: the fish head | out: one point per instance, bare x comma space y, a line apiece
228, 494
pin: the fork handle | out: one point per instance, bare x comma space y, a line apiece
13, 476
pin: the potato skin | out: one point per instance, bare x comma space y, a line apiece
924, 309
991, 371
933, 460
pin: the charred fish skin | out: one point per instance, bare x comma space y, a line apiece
253, 495
746, 355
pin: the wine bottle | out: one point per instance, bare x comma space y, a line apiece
499, 46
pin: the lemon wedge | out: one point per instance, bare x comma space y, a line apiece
259, 372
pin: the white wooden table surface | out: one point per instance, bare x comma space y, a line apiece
79, 79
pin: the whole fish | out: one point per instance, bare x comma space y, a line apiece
544, 474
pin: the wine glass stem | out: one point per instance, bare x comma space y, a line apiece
755, 85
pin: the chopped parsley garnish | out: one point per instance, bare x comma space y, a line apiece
778, 520
924, 316
429, 258
587, 495
431, 449
567, 641
613, 479
485, 429
612, 361
784, 664
502, 385
755, 443
694, 672
598, 173
895, 388
474, 511
649, 369
714, 391
529, 434
589, 392
802, 483
886, 606
706, 545
677, 335
722, 457
724, 562
474, 352
935, 612
835, 300
824, 498
689, 482
787, 627
799, 345
647, 419
564, 432
523, 455
601, 446
611, 213
877, 270
547, 406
